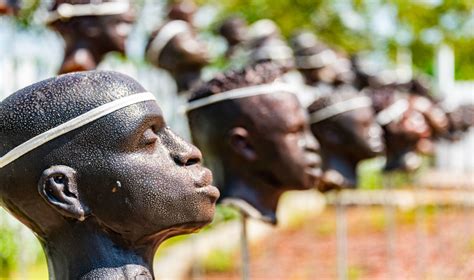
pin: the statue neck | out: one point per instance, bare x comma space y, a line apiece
334, 162
261, 196
81, 55
186, 78
404, 160
84, 249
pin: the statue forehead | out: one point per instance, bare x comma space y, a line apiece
276, 111
47, 104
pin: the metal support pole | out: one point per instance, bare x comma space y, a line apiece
341, 236
390, 214
419, 228
244, 249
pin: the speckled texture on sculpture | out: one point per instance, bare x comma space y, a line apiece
103, 197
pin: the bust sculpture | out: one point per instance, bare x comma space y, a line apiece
255, 137
182, 10
234, 30
321, 66
174, 47
89, 165
405, 127
267, 44
345, 125
90, 29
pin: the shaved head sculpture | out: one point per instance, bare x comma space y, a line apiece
91, 29
255, 136
176, 48
88, 163
267, 44
345, 125
183, 10
318, 63
234, 29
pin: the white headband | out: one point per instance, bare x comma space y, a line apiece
318, 60
278, 52
73, 124
340, 107
165, 34
67, 10
393, 112
242, 93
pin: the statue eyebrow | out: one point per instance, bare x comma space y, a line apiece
73, 124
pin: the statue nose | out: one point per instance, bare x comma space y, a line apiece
311, 144
191, 156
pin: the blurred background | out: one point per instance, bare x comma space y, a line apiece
431, 234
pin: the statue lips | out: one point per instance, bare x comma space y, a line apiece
203, 185
313, 166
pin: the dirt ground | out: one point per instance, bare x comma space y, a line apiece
432, 243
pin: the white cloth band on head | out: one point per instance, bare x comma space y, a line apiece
66, 10
241, 93
340, 107
318, 60
280, 52
73, 124
165, 34
393, 112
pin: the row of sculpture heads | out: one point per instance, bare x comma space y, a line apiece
410, 118
101, 205
407, 114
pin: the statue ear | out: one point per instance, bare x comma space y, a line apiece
239, 142
58, 187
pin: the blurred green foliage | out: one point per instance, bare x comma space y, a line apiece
8, 251
219, 261
20, 252
357, 25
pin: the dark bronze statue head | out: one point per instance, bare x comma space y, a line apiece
255, 136
183, 10
91, 29
318, 63
345, 125
460, 120
234, 29
176, 48
267, 44
89, 164
406, 130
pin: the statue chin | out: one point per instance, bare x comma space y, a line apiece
408, 162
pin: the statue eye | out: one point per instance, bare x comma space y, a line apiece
149, 136
297, 129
